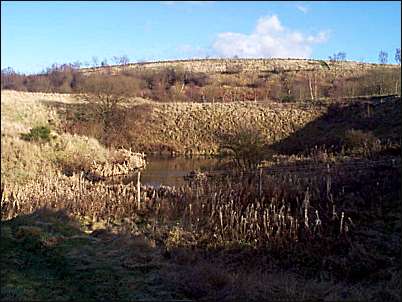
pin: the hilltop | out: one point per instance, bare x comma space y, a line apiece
214, 66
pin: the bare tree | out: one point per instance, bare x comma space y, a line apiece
337, 57
124, 60
95, 61
116, 60
310, 86
11, 80
383, 57
105, 93
342, 56
398, 55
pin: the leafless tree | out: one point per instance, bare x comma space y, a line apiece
124, 60
95, 61
383, 57
116, 60
337, 57
105, 93
11, 80
398, 55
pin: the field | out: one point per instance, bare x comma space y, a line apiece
306, 207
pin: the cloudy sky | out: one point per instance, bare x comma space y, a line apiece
35, 35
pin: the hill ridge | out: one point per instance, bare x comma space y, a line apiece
213, 65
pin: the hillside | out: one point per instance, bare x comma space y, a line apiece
194, 128
220, 80
231, 80
222, 66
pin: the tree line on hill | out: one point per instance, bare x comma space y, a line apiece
168, 84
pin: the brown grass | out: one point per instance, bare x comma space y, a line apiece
311, 216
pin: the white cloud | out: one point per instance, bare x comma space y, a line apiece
268, 24
302, 8
269, 39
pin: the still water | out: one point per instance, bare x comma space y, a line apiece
170, 171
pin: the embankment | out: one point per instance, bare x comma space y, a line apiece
193, 128
196, 128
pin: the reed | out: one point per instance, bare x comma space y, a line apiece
262, 211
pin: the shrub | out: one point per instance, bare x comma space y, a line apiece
41, 133
288, 98
245, 145
358, 140
196, 78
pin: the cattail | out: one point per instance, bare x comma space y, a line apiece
317, 221
306, 217
334, 214
190, 213
351, 222
341, 226
221, 219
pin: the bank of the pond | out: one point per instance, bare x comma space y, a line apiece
192, 128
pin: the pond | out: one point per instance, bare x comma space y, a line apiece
170, 171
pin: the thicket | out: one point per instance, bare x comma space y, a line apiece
160, 85
168, 85
302, 86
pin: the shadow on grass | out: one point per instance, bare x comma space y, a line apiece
47, 256
383, 118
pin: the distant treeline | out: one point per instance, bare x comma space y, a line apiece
168, 84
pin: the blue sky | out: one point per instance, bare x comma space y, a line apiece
35, 35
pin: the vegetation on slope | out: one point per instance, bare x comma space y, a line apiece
320, 226
220, 81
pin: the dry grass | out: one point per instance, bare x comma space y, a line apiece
223, 239
330, 233
24, 161
150, 126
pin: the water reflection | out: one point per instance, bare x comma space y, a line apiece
170, 171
